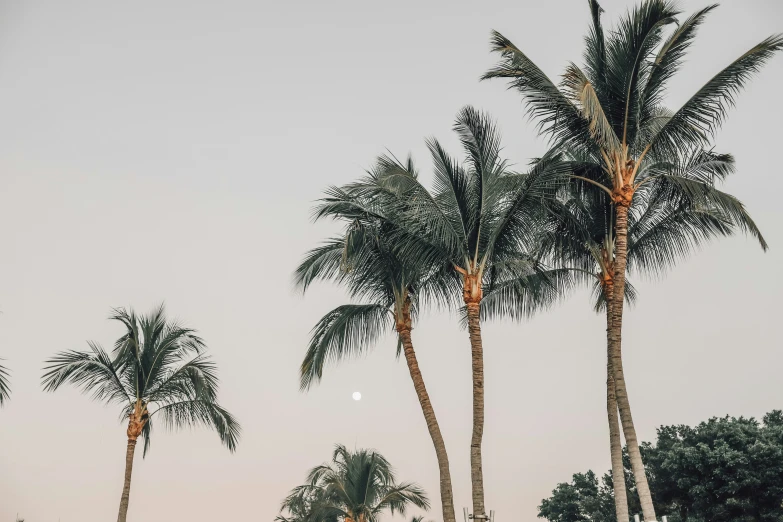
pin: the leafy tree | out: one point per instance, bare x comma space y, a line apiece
158, 371
583, 499
365, 261
613, 110
475, 234
356, 486
723, 470
5, 388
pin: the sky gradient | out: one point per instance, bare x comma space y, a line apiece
171, 151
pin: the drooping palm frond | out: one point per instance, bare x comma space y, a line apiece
347, 331
5, 388
157, 365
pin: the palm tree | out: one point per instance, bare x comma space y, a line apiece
473, 235
5, 388
660, 232
613, 110
390, 288
356, 486
158, 370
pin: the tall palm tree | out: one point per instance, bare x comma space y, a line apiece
474, 234
613, 110
158, 370
356, 486
5, 388
365, 260
661, 231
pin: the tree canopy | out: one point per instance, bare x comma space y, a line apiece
723, 470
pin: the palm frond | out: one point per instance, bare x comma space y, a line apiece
346, 331
556, 115
94, 372
668, 61
204, 412
5, 389
703, 113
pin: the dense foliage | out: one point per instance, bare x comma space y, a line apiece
723, 470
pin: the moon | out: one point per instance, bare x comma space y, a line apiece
357, 396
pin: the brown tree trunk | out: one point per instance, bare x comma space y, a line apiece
477, 357
615, 442
126, 488
615, 348
446, 494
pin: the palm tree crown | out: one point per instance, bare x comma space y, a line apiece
355, 486
157, 371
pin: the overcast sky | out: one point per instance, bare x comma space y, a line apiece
172, 150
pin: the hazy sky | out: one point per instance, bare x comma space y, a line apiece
172, 150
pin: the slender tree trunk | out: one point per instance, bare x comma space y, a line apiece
477, 356
615, 347
615, 443
126, 488
446, 494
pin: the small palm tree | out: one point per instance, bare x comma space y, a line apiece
356, 486
158, 371
5, 388
365, 260
613, 111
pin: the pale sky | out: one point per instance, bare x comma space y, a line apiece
172, 150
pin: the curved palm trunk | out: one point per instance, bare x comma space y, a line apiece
615, 443
446, 494
477, 358
126, 488
615, 348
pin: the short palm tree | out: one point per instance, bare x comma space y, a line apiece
364, 259
158, 371
474, 235
613, 110
5, 388
356, 486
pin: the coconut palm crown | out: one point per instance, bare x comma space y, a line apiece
357, 486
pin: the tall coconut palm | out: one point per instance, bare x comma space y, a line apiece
474, 233
356, 486
158, 371
661, 231
364, 259
5, 388
613, 110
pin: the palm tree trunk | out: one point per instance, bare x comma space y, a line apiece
126, 488
446, 494
477, 356
615, 443
615, 348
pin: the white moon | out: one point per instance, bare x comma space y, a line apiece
357, 396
